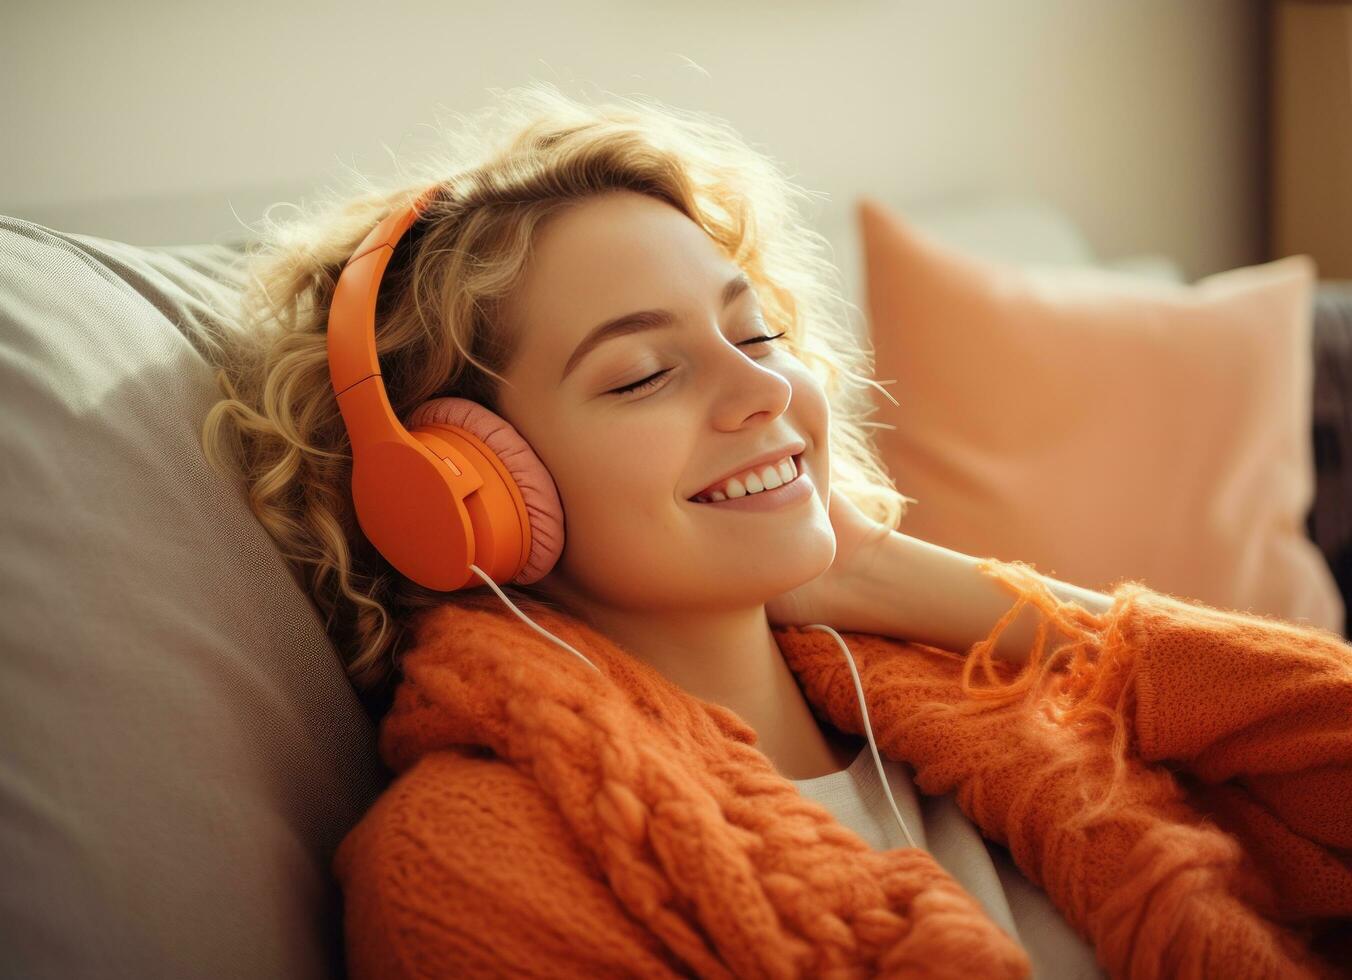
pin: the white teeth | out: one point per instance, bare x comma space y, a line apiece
767, 478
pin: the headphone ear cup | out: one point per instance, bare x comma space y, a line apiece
541, 497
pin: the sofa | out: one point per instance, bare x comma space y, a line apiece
182, 749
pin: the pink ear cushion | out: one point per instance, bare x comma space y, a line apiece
537, 487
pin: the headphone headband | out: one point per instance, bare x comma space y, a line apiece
352, 317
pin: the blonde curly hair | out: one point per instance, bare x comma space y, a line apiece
502, 172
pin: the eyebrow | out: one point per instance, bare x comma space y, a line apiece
643, 320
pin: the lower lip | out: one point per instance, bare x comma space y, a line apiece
781, 496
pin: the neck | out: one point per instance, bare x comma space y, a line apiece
731, 658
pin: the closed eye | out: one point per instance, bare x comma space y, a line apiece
652, 379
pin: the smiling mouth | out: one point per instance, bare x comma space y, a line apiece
798, 473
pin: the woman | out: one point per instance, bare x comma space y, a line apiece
644, 812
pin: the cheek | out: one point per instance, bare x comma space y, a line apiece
620, 476
624, 528
810, 410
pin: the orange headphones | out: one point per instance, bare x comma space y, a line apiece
459, 487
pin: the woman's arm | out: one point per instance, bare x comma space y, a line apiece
912, 590
1220, 693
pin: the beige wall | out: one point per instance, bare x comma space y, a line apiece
1141, 119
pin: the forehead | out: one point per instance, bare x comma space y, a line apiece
611, 255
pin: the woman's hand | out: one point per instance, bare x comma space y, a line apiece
826, 599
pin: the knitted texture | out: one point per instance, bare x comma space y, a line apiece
1176, 777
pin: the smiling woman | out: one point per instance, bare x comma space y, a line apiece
581, 316
634, 290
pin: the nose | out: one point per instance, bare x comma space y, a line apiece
746, 387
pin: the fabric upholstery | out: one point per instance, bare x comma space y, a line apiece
183, 751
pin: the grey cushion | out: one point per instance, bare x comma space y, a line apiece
182, 750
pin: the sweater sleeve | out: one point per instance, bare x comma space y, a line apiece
427, 893
1046, 758
1223, 695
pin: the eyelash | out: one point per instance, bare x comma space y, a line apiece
652, 379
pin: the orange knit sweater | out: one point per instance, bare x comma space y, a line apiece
1176, 777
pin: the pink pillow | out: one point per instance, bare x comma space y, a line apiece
1101, 426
